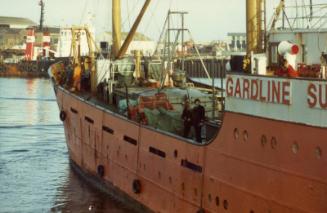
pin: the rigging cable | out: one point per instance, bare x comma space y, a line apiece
130, 12
152, 19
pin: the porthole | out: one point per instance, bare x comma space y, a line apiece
318, 152
273, 143
236, 134
263, 140
245, 135
225, 204
295, 147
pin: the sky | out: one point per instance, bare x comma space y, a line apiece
207, 19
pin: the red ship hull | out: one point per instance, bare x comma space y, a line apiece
253, 165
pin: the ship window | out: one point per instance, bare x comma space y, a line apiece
187, 164
107, 129
157, 152
90, 120
130, 140
217, 201
73, 110
175, 153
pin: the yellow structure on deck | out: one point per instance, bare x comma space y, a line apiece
254, 26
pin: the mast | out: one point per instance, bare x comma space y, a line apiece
41, 3
116, 27
132, 32
254, 26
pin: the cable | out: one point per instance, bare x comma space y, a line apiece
152, 19
130, 12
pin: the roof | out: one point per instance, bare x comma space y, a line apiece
5, 20
10, 31
48, 29
236, 34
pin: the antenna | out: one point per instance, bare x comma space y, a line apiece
41, 3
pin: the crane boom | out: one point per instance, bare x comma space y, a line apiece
278, 11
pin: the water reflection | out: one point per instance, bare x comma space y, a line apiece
77, 196
35, 175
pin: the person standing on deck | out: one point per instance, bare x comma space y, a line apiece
198, 117
77, 77
187, 118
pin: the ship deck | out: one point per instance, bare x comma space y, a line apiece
212, 125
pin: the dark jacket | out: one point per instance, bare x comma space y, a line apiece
198, 115
187, 116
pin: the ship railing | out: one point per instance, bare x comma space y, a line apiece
311, 16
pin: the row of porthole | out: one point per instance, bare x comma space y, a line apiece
273, 142
237, 135
217, 201
296, 148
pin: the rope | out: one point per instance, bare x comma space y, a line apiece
152, 19
199, 55
129, 12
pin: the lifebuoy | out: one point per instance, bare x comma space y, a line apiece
137, 186
62, 115
100, 170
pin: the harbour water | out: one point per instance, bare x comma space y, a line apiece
35, 175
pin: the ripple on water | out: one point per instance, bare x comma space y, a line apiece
34, 168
